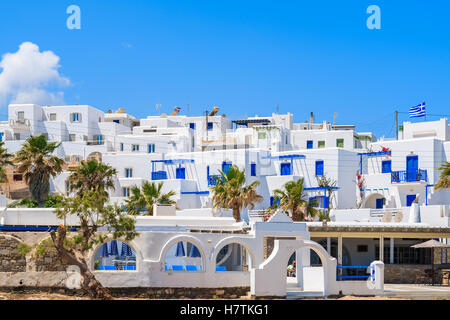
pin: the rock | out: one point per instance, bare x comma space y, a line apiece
220, 292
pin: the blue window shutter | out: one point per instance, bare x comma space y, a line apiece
309, 144
253, 169
181, 173
285, 169
319, 168
386, 166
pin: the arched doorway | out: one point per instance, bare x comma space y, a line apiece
115, 255
374, 201
183, 255
233, 257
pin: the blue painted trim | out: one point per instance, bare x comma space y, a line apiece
194, 192
291, 156
320, 188
31, 229
174, 161
353, 267
375, 154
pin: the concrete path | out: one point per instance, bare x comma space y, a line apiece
419, 292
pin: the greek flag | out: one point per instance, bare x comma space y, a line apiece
417, 111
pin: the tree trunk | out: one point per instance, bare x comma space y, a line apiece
236, 214
89, 284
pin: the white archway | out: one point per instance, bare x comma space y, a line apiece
370, 201
231, 240
173, 241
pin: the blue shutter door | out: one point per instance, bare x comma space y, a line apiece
285, 169
386, 166
319, 168
253, 169
181, 173
309, 144
409, 199
412, 166
379, 203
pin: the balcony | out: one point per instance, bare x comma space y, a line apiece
19, 124
409, 176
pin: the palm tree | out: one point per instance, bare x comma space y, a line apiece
294, 199
92, 176
4, 161
444, 179
230, 192
37, 161
145, 197
329, 183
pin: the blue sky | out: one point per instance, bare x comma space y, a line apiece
245, 56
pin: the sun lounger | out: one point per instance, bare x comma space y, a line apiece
191, 268
177, 268
221, 268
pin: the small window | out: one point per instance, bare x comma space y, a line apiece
192, 125
210, 125
321, 144
75, 117
134, 147
340, 143
21, 115
181, 173
319, 168
52, 116
126, 192
253, 169
121, 147
16, 136
386, 166
17, 177
261, 135
362, 248
116, 121
128, 172
309, 144
71, 137
151, 148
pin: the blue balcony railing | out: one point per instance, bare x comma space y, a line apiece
159, 175
409, 176
212, 181
355, 273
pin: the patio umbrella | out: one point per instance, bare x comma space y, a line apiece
104, 252
432, 244
114, 251
194, 252
126, 250
180, 250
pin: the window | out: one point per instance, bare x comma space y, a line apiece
134, 147
75, 117
253, 169
1, 136
410, 199
151, 148
99, 139
121, 147
192, 125
321, 144
362, 248
16, 136
71, 137
386, 166
149, 130
126, 192
116, 121
128, 172
226, 166
21, 116
52, 117
17, 177
379, 203
261, 135
285, 169
340, 143
319, 168
210, 125
309, 144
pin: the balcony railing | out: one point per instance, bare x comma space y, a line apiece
409, 176
159, 175
20, 123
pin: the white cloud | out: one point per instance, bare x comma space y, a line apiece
31, 76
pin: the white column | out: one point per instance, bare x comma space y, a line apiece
391, 251
340, 250
329, 245
380, 258
299, 268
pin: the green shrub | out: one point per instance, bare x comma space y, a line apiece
54, 201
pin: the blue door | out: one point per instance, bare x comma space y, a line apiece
410, 199
379, 203
319, 168
181, 173
386, 166
412, 168
226, 166
285, 169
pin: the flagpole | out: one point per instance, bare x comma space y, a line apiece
396, 125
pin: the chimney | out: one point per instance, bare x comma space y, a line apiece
311, 118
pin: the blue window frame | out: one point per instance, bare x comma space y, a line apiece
75, 117
319, 168
285, 169
181, 173
192, 125
125, 192
116, 121
379, 203
309, 144
253, 169
226, 166
135, 147
210, 125
121, 147
386, 166
128, 172
151, 148
410, 199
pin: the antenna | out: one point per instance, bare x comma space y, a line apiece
334, 118
277, 108
158, 108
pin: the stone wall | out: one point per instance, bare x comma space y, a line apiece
50, 262
10, 259
403, 273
